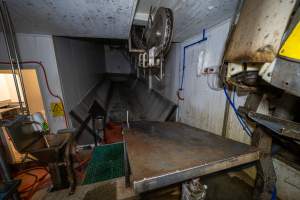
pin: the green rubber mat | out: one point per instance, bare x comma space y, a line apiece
107, 163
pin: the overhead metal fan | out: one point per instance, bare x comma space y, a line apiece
153, 41
161, 31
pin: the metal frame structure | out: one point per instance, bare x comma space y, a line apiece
166, 153
13, 54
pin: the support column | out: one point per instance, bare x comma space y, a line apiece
265, 177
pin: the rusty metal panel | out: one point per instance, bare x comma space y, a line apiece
164, 153
286, 75
259, 30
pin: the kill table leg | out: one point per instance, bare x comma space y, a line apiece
266, 177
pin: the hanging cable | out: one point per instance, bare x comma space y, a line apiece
238, 114
212, 85
47, 84
243, 123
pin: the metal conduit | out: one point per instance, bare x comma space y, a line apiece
14, 47
10, 41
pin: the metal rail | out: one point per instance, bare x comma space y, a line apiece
15, 51
10, 42
10, 59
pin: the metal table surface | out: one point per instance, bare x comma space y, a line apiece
164, 153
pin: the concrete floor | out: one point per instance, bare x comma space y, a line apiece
224, 187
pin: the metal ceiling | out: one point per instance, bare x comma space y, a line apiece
191, 16
113, 18
77, 18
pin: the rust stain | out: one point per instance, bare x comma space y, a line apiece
263, 54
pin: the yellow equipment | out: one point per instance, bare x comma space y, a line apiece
291, 47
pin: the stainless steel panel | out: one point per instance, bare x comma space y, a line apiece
164, 153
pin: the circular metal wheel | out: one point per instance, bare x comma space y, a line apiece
161, 31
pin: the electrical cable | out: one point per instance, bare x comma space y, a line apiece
178, 95
212, 86
274, 193
47, 84
238, 114
243, 124
30, 187
36, 186
242, 121
36, 181
30, 169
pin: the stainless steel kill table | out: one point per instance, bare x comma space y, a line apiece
165, 153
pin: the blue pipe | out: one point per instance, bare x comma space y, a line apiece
204, 38
238, 114
243, 123
274, 193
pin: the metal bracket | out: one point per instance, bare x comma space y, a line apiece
282, 127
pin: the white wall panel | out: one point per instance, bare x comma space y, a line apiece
203, 107
40, 48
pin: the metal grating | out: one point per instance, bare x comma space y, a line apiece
107, 163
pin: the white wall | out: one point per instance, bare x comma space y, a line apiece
40, 48
80, 64
202, 107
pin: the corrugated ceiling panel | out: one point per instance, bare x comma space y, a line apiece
77, 18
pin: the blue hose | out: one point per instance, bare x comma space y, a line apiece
274, 193
243, 123
238, 114
204, 38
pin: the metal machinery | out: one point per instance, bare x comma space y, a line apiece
262, 59
8, 188
266, 59
152, 43
16, 70
255, 41
13, 54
